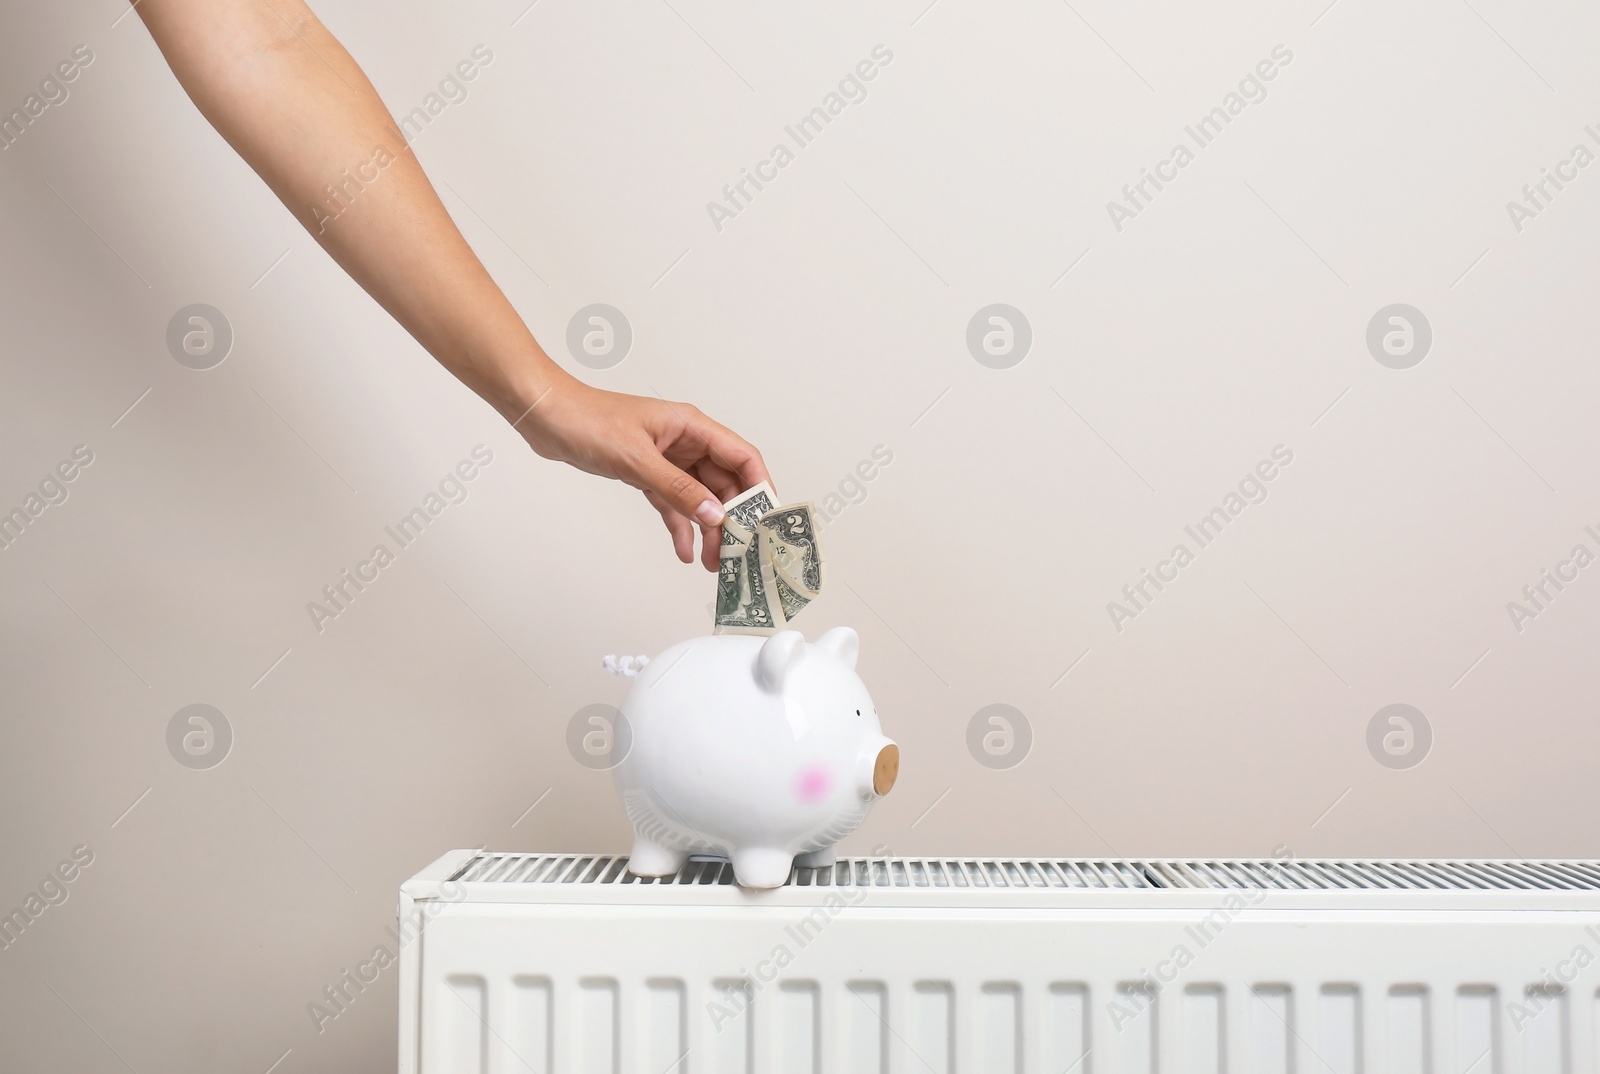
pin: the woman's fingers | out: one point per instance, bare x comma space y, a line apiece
679, 527
692, 465
727, 449
723, 484
677, 489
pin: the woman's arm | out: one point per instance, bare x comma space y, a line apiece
287, 96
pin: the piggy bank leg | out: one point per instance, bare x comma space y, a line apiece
758, 867
817, 859
651, 859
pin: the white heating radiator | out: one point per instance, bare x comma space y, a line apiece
566, 964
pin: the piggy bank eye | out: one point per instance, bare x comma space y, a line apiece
858, 712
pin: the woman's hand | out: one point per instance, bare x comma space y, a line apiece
685, 463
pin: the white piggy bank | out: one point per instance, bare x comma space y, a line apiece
756, 748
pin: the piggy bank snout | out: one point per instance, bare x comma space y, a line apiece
878, 767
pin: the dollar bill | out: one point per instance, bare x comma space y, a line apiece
747, 508
771, 563
791, 538
787, 599
736, 540
746, 603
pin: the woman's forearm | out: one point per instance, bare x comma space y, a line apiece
291, 101
298, 109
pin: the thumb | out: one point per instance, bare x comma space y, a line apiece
681, 492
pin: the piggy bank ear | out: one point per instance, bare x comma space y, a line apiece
778, 656
843, 643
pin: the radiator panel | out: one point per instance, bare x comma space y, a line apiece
1033, 991
1065, 968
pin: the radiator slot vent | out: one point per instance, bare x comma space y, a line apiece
1103, 874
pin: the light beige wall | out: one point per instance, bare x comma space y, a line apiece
829, 317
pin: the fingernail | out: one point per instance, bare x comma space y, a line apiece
709, 513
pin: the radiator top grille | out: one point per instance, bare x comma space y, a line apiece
1062, 873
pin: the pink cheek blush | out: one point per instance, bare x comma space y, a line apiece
812, 784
